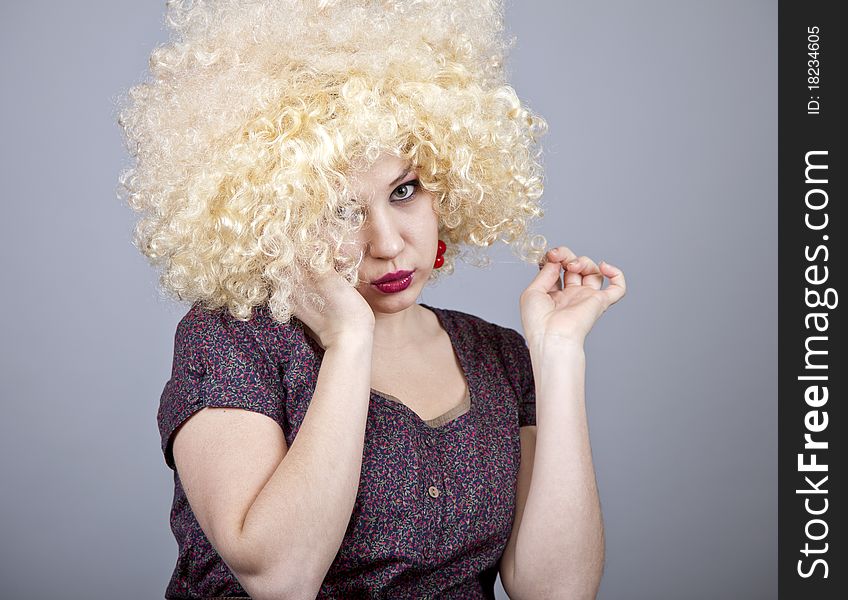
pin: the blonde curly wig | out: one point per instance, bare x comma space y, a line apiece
256, 112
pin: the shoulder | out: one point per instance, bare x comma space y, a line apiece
205, 332
202, 321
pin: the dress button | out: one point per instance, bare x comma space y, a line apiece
434, 491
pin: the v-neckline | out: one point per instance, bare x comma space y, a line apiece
441, 420
466, 406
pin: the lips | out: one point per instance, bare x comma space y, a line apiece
397, 275
396, 285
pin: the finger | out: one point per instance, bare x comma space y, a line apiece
586, 268
549, 257
574, 270
561, 254
547, 279
617, 286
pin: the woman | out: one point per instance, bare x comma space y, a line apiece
303, 169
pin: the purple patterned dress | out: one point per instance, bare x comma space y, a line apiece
436, 498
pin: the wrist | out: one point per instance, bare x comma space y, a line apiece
558, 344
360, 339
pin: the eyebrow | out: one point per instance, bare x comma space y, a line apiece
401, 176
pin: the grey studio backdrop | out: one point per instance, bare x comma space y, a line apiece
661, 159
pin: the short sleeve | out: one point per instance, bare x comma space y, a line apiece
218, 362
520, 369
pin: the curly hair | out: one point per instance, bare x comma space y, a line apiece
243, 138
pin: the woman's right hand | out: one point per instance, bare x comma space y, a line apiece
345, 311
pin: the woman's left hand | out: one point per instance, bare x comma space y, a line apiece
549, 310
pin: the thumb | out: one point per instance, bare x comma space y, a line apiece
548, 279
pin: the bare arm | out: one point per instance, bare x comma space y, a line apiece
557, 544
559, 547
277, 515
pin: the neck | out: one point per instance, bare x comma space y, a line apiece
402, 329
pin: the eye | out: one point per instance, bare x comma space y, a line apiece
405, 191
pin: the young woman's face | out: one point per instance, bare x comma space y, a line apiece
399, 236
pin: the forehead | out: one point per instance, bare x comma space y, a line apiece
379, 175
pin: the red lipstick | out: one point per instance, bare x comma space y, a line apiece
392, 276
394, 282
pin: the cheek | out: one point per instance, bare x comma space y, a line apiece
434, 216
426, 216
424, 231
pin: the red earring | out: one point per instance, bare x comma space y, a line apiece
440, 259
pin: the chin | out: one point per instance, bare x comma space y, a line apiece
392, 302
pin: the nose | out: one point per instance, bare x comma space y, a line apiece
383, 234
